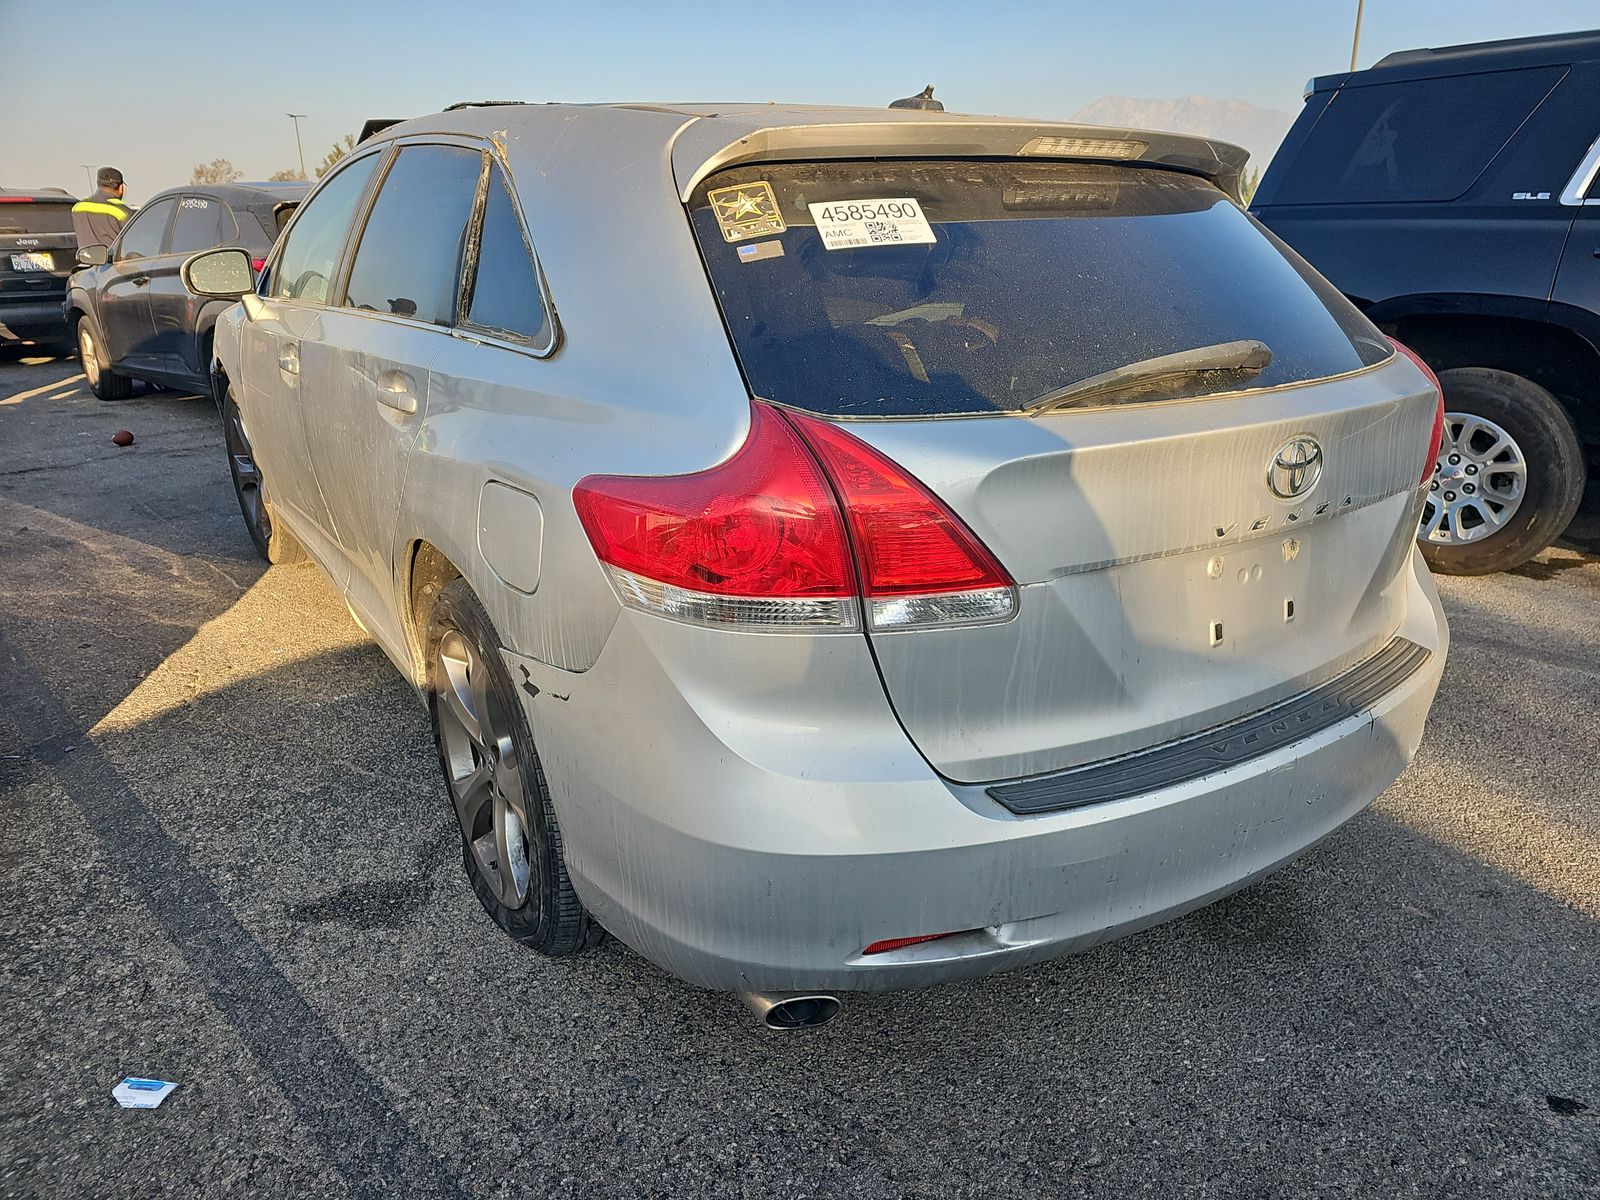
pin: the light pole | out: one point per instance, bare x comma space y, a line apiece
89, 170
1355, 42
296, 118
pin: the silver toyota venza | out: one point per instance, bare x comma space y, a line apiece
843, 549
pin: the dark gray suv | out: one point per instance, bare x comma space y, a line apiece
36, 247
131, 314
1452, 194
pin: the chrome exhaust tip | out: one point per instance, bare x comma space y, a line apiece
791, 1010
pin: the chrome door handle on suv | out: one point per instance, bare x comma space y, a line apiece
289, 358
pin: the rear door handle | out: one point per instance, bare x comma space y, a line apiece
397, 390
289, 358
140, 280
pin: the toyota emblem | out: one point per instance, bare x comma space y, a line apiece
1296, 466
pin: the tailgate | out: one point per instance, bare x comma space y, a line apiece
1164, 587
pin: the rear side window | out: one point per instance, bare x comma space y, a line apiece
26, 218
1024, 279
202, 222
409, 258
304, 270
505, 290
1422, 140
142, 237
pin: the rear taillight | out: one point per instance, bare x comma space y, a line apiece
757, 540
256, 264
1437, 439
919, 564
761, 540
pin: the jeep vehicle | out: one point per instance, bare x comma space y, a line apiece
843, 548
36, 249
128, 309
1453, 195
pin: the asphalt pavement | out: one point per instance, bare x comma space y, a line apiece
226, 859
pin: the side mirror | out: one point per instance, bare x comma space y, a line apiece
93, 256
224, 274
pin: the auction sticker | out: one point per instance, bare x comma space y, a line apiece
848, 224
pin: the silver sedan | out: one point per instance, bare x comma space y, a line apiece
843, 549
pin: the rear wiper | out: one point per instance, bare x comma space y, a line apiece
1242, 358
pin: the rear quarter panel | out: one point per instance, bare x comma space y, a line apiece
643, 380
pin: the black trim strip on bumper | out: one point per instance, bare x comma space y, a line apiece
1222, 746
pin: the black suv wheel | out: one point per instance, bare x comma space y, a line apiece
1509, 477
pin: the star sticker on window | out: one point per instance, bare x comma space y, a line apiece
747, 210
740, 205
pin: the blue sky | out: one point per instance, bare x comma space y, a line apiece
186, 82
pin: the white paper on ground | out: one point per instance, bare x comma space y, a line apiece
142, 1093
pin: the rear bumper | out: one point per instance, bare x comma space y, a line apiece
35, 317
743, 855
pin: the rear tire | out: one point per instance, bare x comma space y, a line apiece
510, 841
1526, 474
273, 540
105, 383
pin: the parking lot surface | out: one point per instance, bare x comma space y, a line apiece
228, 861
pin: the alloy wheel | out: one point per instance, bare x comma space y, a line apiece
1479, 482
481, 769
88, 354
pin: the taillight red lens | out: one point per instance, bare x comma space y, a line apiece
907, 542
761, 539
763, 524
1437, 439
257, 263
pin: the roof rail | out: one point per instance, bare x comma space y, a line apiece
481, 104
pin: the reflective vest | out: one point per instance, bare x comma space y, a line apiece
98, 220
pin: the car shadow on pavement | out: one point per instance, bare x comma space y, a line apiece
1399, 1009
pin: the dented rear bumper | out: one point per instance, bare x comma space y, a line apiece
745, 811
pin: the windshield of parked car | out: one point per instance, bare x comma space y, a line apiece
912, 288
21, 217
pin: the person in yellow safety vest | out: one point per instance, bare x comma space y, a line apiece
99, 219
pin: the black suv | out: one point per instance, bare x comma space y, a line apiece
132, 315
36, 248
1454, 195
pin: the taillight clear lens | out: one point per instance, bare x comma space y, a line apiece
756, 540
1438, 413
919, 563
761, 540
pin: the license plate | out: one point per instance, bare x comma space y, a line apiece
31, 262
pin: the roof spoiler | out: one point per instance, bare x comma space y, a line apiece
701, 149
377, 125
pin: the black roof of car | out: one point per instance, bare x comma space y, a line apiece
1474, 58
43, 195
240, 195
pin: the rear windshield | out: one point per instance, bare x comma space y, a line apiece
1416, 140
941, 288
34, 218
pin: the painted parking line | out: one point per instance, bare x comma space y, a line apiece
65, 387
348, 1113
